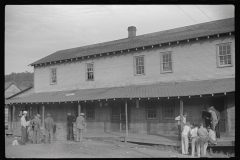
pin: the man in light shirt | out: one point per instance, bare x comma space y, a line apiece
212, 136
24, 125
185, 134
203, 139
194, 139
179, 124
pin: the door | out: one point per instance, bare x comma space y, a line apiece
118, 118
218, 103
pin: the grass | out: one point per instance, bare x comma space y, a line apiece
220, 154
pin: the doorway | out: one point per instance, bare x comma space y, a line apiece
118, 116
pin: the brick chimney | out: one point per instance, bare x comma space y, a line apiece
131, 31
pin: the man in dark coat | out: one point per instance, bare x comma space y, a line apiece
36, 128
49, 124
207, 117
70, 120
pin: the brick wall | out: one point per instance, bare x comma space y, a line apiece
191, 61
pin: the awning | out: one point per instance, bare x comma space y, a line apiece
173, 89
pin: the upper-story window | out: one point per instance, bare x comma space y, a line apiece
224, 55
89, 71
139, 65
166, 62
53, 79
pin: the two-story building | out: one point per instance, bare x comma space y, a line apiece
145, 77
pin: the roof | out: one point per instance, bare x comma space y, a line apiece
22, 91
8, 84
177, 34
23, 87
187, 88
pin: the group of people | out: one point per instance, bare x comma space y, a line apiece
49, 127
199, 135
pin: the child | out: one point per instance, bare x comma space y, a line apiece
184, 138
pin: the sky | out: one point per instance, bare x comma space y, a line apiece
36, 31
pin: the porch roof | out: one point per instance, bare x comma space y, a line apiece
173, 89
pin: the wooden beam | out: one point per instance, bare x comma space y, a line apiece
126, 120
9, 117
79, 109
43, 110
120, 119
181, 112
13, 117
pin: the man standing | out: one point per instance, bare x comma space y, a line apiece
179, 124
206, 116
36, 128
217, 128
213, 118
203, 139
49, 124
184, 139
80, 123
24, 125
70, 120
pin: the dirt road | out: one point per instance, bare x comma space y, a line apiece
86, 149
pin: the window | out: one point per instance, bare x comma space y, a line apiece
90, 75
53, 76
166, 60
90, 109
139, 65
168, 109
151, 110
224, 55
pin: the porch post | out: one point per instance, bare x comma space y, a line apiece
181, 112
126, 120
120, 119
13, 117
43, 110
9, 117
79, 109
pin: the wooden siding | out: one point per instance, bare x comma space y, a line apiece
190, 61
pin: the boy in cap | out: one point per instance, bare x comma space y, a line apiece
80, 123
24, 125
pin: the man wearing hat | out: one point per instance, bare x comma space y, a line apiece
24, 125
179, 124
80, 123
36, 128
49, 124
70, 120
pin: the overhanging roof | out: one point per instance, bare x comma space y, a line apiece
187, 88
177, 34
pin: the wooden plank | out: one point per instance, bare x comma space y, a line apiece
126, 118
181, 112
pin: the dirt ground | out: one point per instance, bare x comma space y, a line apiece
89, 148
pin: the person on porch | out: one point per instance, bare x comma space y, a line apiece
194, 139
80, 123
217, 128
24, 125
206, 116
70, 120
214, 119
179, 124
49, 124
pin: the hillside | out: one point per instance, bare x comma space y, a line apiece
21, 79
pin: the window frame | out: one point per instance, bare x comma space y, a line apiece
161, 61
92, 106
93, 69
218, 56
166, 107
149, 104
51, 83
135, 66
